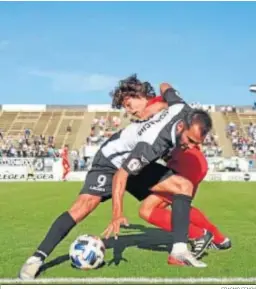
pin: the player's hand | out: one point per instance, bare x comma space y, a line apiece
114, 227
163, 87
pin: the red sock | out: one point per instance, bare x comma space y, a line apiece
162, 218
200, 220
65, 174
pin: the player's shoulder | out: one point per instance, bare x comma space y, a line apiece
176, 108
130, 129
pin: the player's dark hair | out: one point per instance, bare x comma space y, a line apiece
132, 87
200, 117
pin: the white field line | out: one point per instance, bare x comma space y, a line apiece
131, 280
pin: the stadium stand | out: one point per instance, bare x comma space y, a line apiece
241, 131
51, 127
44, 130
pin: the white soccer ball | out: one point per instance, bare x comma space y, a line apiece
87, 252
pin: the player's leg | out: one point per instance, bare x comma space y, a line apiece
97, 188
60, 228
32, 176
182, 190
198, 162
80, 209
202, 232
219, 242
160, 179
66, 169
153, 210
65, 173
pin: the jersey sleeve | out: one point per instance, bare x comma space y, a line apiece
147, 151
171, 96
142, 155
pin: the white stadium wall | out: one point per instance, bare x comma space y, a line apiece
210, 177
101, 108
49, 170
89, 108
24, 107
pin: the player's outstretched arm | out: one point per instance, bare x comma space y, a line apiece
140, 157
118, 190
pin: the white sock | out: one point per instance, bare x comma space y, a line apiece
179, 248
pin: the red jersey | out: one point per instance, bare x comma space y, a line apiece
154, 100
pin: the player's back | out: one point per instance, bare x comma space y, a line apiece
190, 163
120, 145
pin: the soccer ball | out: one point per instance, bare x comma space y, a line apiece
87, 252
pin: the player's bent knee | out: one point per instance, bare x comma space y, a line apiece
149, 204
145, 213
187, 188
83, 206
145, 210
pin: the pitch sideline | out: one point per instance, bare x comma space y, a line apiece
141, 280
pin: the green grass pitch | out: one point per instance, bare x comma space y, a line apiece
28, 209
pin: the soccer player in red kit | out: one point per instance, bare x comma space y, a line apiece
154, 210
65, 162
192, 165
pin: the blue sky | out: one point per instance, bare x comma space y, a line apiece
74, 53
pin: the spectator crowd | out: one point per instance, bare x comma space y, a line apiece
102, 127
244, 144
27, 145
211, 147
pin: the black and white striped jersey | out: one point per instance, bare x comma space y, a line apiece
143, 142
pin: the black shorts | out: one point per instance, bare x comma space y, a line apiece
31, 175
98, 181
140, 186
